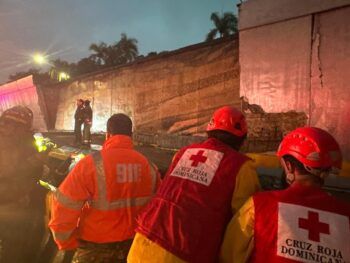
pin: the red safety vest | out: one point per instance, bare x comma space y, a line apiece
300, 224
192, 207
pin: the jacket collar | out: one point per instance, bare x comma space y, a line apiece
118, 141
301, 190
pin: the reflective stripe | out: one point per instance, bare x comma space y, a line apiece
122, 203
154, 174
62, 236
102, 203
68, 202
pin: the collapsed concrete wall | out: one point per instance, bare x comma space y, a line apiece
24, 92
295, 56
174, 93
171, 97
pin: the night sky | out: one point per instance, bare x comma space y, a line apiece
66, 28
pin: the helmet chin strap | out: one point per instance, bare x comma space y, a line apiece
290, 177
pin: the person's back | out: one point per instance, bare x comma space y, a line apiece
302, 223
311, 225
123, 185
208, 202
20, 209
79, 116
87, 123
95, 207
203, 187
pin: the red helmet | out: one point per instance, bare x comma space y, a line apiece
230, 120
313, 147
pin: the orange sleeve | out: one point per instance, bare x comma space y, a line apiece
68, 201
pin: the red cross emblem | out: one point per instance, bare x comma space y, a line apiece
314, 226
198, 158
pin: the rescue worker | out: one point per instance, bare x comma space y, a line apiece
78, 121
205, 185
87, 123
302, 223
94, 208
21, 209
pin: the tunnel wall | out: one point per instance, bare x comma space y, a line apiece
171, 93
24, 92
295, 55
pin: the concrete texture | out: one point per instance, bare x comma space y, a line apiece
24, 92
254, 13
275, 65
171, 98
330, 90
174, 93
300, 63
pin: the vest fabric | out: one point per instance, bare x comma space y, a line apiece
100, 198
300, 224
192, 207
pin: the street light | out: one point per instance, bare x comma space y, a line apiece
39, 59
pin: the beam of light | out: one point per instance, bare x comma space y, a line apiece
62, 51
17, 65
39, 59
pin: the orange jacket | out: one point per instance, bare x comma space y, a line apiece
100, 198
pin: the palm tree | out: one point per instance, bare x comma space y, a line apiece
224, 26
127, 48
121, 52
100, 52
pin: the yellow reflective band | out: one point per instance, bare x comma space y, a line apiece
68, 202
121, 203
102, 203
62, 236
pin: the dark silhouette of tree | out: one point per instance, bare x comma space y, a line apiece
104, 55
127, 49
225, 25
85, 65
101, 51
22, 74
121, 52
37, 76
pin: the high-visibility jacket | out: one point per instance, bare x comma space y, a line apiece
100, 198
299, 224
189, 214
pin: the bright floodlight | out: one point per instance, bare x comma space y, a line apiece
39, 59
63, 76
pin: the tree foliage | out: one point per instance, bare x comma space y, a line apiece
224, 25
103, 55
37, 75
121, 52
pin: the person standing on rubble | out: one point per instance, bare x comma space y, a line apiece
205, 185
21, 202
94, 208
87, 123
78, 121
302, 223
